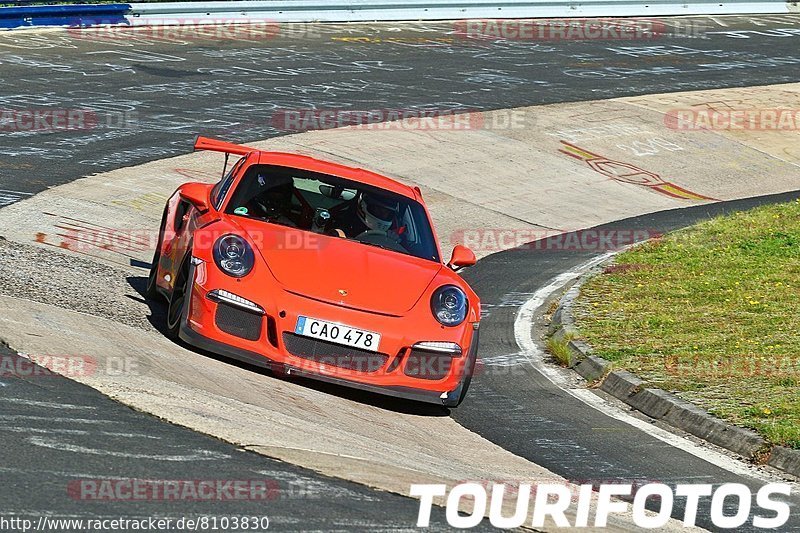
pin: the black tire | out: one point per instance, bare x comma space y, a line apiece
178, 300
463, 393
470, 370
464, 389
151, 292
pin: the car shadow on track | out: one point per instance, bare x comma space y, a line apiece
157, 318
158, 310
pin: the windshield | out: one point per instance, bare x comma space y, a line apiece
334, 206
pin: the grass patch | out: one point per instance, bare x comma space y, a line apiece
559, 349
712, 313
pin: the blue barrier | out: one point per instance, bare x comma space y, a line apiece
63, 15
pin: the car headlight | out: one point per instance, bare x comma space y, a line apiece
233, 255
449, 305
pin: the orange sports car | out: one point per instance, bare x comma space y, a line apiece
316, 269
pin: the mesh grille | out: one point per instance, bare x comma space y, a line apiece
427, 365
334, 354
238, 322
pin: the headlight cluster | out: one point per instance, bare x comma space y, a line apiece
233, 255
449, 305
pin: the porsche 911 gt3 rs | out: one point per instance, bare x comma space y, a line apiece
319, 270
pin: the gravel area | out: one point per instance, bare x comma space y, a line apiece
79, 284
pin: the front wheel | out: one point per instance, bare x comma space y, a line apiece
151, 292
178, 300
469, 370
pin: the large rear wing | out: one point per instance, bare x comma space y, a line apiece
215, 145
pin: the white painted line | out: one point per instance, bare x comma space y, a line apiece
50, 405
199, 455
56, 431
60, 473
58, 419
523, 326
524, 320
46, 431
9, 197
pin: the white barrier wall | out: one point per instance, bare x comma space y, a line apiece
395, 10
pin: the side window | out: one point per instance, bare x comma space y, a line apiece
221, 189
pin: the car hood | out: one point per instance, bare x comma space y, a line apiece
341, 272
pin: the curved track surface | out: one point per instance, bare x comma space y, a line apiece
59, 436
154, 96
516, 405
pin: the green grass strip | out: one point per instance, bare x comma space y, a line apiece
712, 313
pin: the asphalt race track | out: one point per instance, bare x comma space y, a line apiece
531, 417
115, 442
151, 98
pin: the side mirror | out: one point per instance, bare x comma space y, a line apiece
197, 195
462, 257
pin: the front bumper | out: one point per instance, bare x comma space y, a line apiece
266, 338
447, 399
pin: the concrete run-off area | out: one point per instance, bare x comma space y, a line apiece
75, 260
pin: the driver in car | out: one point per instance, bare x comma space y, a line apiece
372, 213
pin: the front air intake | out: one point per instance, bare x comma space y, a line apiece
427, 365
332, 354
238, 322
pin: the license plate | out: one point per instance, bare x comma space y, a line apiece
338, 333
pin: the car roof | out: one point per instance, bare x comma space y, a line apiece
305, 162
309, 163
